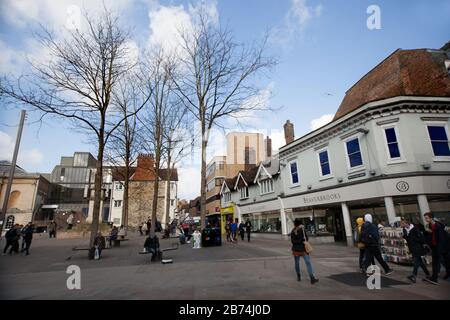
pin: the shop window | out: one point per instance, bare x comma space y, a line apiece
244, 192
294, 173
392, 143
439, 140
354, 153
265, 223
324, 163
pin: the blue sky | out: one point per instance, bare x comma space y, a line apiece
323, 48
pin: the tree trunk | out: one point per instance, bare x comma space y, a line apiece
168, 176
155, 192
97, 188
125, 196
203, 179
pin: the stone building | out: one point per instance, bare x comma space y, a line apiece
141, 190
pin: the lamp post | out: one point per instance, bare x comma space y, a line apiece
11, 171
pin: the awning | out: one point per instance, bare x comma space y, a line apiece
49, 206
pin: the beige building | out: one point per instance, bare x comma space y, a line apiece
28, 193
244, 150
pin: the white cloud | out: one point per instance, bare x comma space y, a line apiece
321, 121
27, 157
296, 19
167, 22
189, 182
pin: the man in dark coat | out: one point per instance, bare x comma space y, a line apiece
248, 229
371, 239
438, 240
12, 239
415, 240
152, 245
27, 234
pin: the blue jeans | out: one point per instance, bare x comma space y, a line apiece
307, 262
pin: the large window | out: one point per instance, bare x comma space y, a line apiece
392, 144
266, 186
294, 173
354, 153
439, 140
244, 192
324, 163
267, 222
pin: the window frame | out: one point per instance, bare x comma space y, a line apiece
265, 182
246, 196
437, 124
118, 202
347, 157
321, 175
290, 174
390, 160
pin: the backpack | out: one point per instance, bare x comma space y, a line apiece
366, 236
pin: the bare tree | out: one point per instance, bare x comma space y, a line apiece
156, 72
124, 146
78, 83
216, 79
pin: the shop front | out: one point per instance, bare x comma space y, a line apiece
226, 214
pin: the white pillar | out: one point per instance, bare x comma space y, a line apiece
289, 220
347, 224
423, 206
238, 213
390, 209
284, 230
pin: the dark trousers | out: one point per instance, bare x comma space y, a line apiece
8, 244
27, 246
418, 262
438, 258
374, 252
52, 234
248, 236
242, 235
362, 253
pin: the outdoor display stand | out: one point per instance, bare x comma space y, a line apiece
394, 248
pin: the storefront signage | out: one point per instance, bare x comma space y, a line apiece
326, 197
402, 186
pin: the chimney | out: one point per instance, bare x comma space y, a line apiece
288, 131
145, 161
268, 147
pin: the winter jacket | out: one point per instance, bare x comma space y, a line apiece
442, 238
415, 240
298, 239
369, 235
152, 243
100, 242
27, 232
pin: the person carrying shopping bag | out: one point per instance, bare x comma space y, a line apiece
301, 248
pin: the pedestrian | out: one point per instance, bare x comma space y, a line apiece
99, 243
27, 234
438, 240
242, 230
52, 229
140, 229
152, 245
381, 225
371, 239
248, 229
298, 238
228, 231
360, 245
233, 229
21, 234
113, 235
70, 221
149, 226
415, 241
12, 237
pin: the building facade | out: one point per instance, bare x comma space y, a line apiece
386, 152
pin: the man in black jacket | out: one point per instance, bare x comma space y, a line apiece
415, 240
371, 239
438, 240
12, 239
27, 234
152, 245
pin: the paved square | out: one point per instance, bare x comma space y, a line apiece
261, 269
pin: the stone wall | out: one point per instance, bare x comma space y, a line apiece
141, 200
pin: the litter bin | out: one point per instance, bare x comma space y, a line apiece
211, 237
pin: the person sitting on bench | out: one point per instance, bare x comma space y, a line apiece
122, 233
113, 235
152, 245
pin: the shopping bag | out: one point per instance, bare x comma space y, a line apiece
308, 246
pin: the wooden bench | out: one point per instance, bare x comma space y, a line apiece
116, 242
84, 249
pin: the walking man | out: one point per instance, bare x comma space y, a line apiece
12, 237
52, 229
248, 229
371, 239
242, 230
415, 240
438, 240
27, 234
234, 227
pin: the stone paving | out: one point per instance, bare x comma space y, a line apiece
261, 269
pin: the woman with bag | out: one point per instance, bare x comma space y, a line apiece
301, 248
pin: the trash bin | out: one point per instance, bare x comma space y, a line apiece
211, 237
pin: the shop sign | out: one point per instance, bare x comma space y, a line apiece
326, 197
402, 186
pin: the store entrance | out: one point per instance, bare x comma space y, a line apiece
335, 223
